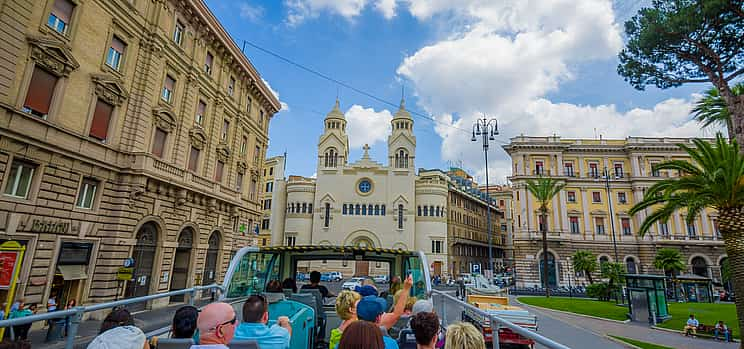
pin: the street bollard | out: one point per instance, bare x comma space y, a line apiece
653, 317
72, 331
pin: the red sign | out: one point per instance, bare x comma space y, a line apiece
8, 261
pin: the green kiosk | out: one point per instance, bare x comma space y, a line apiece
647, 298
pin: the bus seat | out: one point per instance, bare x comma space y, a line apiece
332, 321
242, 344
399, 325
407, 339
287, 292
274, 297
306, 299
318, 300
302, 319
175, 343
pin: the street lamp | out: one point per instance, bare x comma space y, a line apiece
487, 130
606, 177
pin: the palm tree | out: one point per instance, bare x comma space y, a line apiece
715, 180
670, 261
544, 189
711, 109
615, 275
585, 262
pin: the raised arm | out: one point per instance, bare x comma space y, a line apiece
389, 319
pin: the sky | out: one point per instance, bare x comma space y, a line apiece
539, 67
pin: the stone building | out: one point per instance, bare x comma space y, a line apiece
271, 202
467, 227
365, 203
504, 196
584, 217
127, 129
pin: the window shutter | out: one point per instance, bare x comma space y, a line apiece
101, 119
39, 96
193, 159
117, 45
158, 144
210, 58
218, 171
202, 108
62, 9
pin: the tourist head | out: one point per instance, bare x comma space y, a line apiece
289, 284
314, 277
274, 286
692, 316
422, 306
369, 282
361, 335
121, 337
426, 328
72, 303
216, 324
370, 308
256, 309
409, 302
346, 304
366, 290
184, 322
32, 307
117, 317
464, 335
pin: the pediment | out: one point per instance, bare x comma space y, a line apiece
242, 166
52, 55
400, 200
331, 136
402, 137
599, 212
574, 211
164, 118
198, 137
223, 152
327, 198
110, 89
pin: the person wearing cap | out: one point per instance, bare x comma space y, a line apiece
366, 290
371, 309
122, 337
255, 317
216, 324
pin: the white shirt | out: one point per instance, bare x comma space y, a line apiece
693, 322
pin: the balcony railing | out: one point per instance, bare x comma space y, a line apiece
569, 173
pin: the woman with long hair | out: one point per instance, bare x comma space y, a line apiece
361, 335
464, 335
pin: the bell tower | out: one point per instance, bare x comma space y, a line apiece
402, 142
333, 146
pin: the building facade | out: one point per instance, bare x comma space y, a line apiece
365, 203
271, 200
584, 217
467, 227
503, 194
128, 129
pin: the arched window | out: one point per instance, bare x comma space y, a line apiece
327, 218
310, 208
400, 216
699, 266
431, 210
364, 210
377, 210
304, 207
330, 158
630, 266
369, 209
426, 211
357, 210
292, 208
382, 210
343, 209
438, 212
602, 260
419, 211
401, 159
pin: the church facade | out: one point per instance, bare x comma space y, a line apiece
366, 203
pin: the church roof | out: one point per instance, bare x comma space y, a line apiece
335, 113
402, 113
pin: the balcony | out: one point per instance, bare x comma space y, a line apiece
569, 172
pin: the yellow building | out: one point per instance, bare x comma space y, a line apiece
127, 129
603, 180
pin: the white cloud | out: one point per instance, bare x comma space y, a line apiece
367, 126
386, 7
285, 106
301, 10
251, 12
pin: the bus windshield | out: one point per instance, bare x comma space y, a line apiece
250, 273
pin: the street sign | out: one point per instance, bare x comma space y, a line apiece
124, 273
129, 262
476, 269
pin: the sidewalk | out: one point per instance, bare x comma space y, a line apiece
145, 320
633, 330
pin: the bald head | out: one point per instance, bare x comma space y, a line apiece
216, 323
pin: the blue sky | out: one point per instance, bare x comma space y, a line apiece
540, 68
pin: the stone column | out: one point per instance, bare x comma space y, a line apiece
556, 213
636, 169
581, 167
564, 211
585, 208
706, 225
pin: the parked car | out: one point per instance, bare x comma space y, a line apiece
381, 279
325, 277
352, 283
336, 276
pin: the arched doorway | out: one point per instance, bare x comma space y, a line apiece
144, 258
210, 266
181, 263
631, 266
361, 268
552, 280
699, 266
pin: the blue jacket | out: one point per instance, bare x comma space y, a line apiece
274, 337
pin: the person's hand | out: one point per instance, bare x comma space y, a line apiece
283, 321
408, 283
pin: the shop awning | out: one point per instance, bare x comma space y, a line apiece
72, 272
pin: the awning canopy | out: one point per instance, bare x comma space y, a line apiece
72, 272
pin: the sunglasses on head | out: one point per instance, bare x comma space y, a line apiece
230, 322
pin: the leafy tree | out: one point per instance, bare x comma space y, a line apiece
544, 189
585, 262
725, 271
670, 261
715, 179
615, 275
599, 290
711, 109
674, 42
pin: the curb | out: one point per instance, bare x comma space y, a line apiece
678, 332
577, 314
623, 343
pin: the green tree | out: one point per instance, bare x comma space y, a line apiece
670, 261
615, 275
674, 42
711, 109
585, 262
715, 179
544, 189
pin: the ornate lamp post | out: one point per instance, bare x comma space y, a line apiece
487, 129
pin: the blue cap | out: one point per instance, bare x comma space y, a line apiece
370, 307
366, 290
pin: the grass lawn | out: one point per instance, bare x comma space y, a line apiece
607, 310
640, 344
706, 313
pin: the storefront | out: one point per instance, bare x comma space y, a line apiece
71, 272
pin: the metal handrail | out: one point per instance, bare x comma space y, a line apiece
76, 314
500, 322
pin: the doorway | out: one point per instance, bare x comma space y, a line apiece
552, 281
437, 267
210, 266
181, 263
361, 268
144, 258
